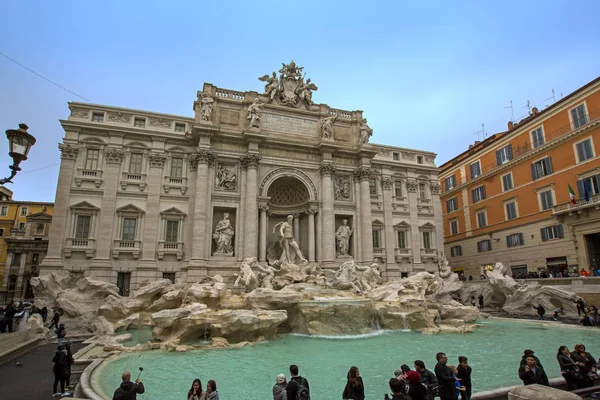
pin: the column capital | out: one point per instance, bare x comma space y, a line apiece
435, 188
68, 151
201, 156
312, 211
327, 169
250, 160
363, 173
412, 185
387, 183
157, 160
114, 156
263, 207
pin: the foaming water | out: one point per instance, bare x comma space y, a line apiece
378, 332
494, 351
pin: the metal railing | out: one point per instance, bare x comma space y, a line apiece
581, 203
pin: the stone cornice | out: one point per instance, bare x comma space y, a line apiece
531, 154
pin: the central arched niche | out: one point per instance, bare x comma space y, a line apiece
288, 195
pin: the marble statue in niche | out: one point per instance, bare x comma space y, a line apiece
327, 127
223, 235
255, 112
365, 132
226, 177
342, 236
342, 188
288, 247
206, 101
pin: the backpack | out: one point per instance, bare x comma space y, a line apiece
302, 393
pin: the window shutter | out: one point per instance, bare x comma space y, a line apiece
471, 168
559, 230
499, 157
534, 175
482, 192
510, 152
475, 200
479, 247
544, 201
522, 238
534, 135
508, 241
544, 233
548, 162
580, 152
580, 188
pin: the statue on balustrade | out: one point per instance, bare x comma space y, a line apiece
327, 127
246, 276
222, 235
286, 250
343, 234
206, 101
365, 132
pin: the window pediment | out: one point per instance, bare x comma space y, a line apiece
39, 216
130, 209
84, 206
173, 212
427, 227
378, 223
402, 226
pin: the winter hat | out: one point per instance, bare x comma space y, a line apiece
280, 378
413, 377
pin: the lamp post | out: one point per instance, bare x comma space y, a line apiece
19, 144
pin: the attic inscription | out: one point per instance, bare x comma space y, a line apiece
284, 124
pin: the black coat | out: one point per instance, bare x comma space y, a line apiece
588, 360
530, 378
524, 361
128, 391
429, 380
416, 391
464, 374
354, 392
293, 386
446, 382
566, 363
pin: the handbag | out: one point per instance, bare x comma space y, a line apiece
576, 374
592, 376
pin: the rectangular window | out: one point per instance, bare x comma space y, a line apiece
579, 116
1, 231
451, 205
537, 137
172, 233
4, 211
82, 227
135, 163
427, 240
91, 159
547, 199
507, 182
139, 122
456, 251
454, 227
123, 280
98, 117
179, 127
377, 239
552, 232
592, 183
475, 170
481, 219
484, 245
516, 239
511, 210
450, 182
504, 155
419, 159
422, 191
176, 167
478, 194
170, 276
16, 260
584, 150
396, 156
129, 225
541, 168
373, 187
402, 239
23, 211
21, 226
398, 189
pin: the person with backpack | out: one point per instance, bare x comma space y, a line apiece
414, 388
428, 379
61, 332
61, 371
355, 389
297, 388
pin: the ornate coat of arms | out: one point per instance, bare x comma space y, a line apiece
290, 88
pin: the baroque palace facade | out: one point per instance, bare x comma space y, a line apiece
144, 195
507, 198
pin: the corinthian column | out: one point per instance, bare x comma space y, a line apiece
311, 235
366, 225
390, 239
250, 163
327, 170
262, 243
200, 161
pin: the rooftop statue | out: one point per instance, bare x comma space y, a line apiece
290, 88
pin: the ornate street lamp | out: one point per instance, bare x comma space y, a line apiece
19, 144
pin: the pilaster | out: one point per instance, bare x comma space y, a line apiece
364, 174
152, 220
436, 189
327, 170
412, 187
387, 184
262, 245
250, 163
311, 234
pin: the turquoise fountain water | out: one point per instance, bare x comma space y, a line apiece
494, 352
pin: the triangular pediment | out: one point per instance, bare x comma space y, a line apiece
378, 223
428, 226
402, 225
173, 211
39, 216
84, 205
130, 208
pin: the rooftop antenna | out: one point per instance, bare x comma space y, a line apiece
528, 106
481, 131
512, 112
553, 97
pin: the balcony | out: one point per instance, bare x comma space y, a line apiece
131, 179
429, 255
568, 209
88, 175
85, 245
133, 247
403, 255
170, 248
178, 183
379, 254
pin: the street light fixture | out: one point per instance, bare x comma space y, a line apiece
19, 144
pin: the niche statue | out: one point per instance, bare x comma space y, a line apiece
222, 236
342, 235
288, 251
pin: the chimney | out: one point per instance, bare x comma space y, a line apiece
470, 147
510, 125
477, 142
534, 110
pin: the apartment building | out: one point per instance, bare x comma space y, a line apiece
508, 198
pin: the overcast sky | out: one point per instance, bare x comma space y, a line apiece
426, 74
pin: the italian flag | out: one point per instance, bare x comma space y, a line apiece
572, 194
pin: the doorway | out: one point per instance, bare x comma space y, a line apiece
593, 249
